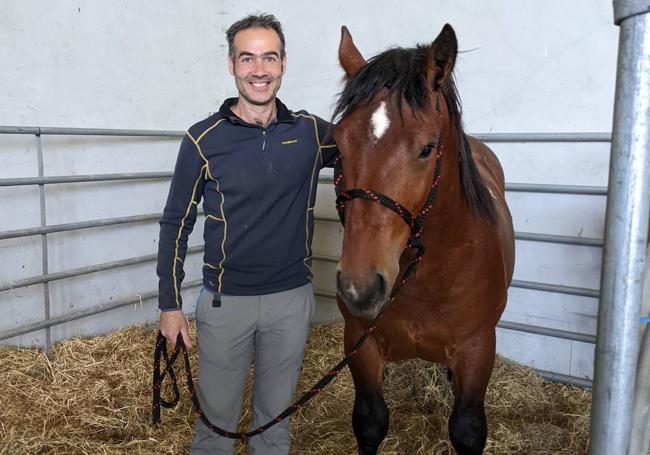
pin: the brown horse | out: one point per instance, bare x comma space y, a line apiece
401, 140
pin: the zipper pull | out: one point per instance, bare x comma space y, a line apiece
264, 141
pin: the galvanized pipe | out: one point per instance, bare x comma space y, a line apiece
585, 292
44, 248
526, 236
486, 137
560, 289
626, 231
6, 286
522, 284
640, 433
79, 225
565, 379
546, 331
97, 309
20, 181
556, 189
37, 130
542, 137
532, 188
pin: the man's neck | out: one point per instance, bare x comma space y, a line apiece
257, 115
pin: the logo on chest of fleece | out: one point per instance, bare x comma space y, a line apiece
290, 141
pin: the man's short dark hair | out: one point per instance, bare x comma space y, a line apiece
254, 21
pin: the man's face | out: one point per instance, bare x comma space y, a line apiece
257, 65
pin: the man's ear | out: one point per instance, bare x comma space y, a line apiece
441, 57
349, 56
284, 64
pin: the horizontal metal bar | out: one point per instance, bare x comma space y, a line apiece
83, 178
564, 334
546, 331
486, 137
531, 188
102, 308
536, 286
80, 225
542, 137
556, 189
560, 239
570, 290
526, 236
565, 379
39, 131
85, 270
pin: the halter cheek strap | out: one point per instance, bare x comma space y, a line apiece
415, 223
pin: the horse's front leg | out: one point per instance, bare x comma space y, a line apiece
370, 414
471, 366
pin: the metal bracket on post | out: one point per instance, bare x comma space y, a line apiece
624, 9
626, 234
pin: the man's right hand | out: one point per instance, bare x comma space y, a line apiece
171, 323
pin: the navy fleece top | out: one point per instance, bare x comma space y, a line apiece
258, 187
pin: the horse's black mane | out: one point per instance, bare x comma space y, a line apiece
403, 72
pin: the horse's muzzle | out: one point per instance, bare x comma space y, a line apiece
364, 298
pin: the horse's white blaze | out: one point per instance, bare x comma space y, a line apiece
380, 121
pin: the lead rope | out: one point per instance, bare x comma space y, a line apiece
416, 225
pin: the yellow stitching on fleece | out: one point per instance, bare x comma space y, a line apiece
205, 264
315, 125
214, 218
207, 130
200, 152
209, 174
180, 232
311, 186
225, 234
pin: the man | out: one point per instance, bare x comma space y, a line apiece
255, 165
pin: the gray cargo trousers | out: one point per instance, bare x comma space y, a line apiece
275, 328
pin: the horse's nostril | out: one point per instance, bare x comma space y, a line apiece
380, 285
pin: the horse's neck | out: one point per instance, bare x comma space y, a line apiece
450, 210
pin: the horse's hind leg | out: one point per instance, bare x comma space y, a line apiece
472, 366
370, 414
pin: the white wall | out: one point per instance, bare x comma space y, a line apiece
526, 66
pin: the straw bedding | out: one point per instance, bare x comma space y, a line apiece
93, 396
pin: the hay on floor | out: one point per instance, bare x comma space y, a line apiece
94, 397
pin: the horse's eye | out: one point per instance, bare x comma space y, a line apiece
426, 151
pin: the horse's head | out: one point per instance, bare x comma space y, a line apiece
393, 118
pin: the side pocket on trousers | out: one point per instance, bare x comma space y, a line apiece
197, 308
312, 303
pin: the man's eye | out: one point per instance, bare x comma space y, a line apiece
270, 59
426, 151
246, 60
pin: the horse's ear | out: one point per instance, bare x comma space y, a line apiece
441, 57
349, 56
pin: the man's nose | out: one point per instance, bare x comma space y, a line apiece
258, 67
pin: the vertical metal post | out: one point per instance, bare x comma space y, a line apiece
46, 285
626, 233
